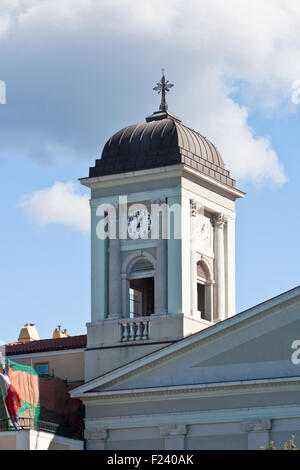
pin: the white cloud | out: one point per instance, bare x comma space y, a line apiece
225, 122
58, 204
5, 25
255, 45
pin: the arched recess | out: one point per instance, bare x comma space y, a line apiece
138, 284
205, 284
133, 257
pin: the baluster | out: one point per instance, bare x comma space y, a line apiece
132, 331
126, 331
122, 332
146, 330
139, 331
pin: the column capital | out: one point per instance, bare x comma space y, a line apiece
159, 201
96, 434
194, 207
256, 425
258, 431
219, 220
173, 430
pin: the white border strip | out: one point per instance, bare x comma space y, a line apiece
44, 354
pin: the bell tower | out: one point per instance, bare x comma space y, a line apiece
162, 239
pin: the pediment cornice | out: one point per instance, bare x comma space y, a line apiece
241, 321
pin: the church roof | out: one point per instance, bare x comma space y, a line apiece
46, 345
161, 141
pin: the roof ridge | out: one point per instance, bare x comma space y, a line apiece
69, 342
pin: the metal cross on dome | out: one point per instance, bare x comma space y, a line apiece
162, 87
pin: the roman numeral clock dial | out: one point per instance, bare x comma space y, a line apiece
139, 224
202, 229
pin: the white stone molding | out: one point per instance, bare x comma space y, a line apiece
174, 436
207, 267
256, 425
258, 431
193, 208
193, 261
96, 439
96, 434
173, 430
133, 257
219, 221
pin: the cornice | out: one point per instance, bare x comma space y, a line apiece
247, 322
179, 170
225, 328
145, 174
196, 390
196, 417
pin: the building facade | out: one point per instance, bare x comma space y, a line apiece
168, 363
61, 357
234, 385
43, 371
153, 282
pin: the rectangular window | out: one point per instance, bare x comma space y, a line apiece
201, 299
135, 303
42, 368
141, 296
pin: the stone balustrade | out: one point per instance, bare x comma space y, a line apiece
134, 329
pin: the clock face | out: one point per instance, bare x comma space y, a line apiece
139, 224
202, 229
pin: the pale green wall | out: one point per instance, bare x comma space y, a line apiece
99, 271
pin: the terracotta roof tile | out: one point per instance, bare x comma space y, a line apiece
72, 342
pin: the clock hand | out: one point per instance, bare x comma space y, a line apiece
140, 218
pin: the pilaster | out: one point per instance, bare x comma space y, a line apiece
258, 433
174, 436
219, 221
96, 439
115, 285
161, 291
194, 259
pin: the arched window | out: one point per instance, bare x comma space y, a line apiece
204, 292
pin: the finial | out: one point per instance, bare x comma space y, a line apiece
162, 87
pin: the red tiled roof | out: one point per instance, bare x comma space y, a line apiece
43, 345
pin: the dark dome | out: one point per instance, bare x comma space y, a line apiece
161, 141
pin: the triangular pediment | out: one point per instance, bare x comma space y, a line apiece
254, 345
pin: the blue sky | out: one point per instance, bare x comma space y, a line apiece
77, 71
